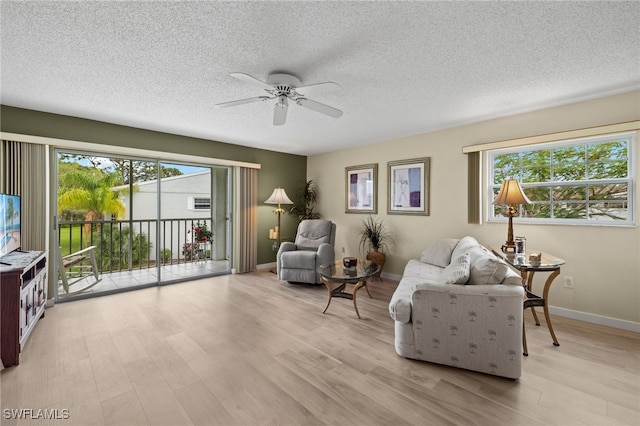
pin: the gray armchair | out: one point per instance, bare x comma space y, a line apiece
314, 246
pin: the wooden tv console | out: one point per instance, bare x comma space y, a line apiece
23, 297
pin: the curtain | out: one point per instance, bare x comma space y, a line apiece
23, 172
248, 218
474, 204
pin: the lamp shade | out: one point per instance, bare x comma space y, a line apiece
278, 197
511, 193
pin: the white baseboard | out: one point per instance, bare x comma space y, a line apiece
577, 315
561, 312
392, 277
596, 319
266, 266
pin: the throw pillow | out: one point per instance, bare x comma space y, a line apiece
465, 245
457, 272
439, 252
488, 270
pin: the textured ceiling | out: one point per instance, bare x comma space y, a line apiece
404, 67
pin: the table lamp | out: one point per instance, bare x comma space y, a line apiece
510, 194
278, 197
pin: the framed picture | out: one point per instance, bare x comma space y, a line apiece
408, 186
361, 190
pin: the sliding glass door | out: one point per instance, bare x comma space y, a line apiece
126, 223
194, 212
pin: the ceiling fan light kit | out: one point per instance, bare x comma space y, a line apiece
285, 87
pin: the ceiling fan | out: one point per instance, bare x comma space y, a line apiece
285, 88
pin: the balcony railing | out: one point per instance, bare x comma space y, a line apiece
123, 245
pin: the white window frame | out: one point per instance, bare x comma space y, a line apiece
198, 205
193, 206
630, 181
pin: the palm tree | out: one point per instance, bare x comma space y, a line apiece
93, 194
305, 201
492, 334
10, 213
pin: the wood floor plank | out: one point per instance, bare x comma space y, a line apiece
202, 406
248, 349
161, 405
124, 409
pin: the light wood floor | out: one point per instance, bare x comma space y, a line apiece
250, 350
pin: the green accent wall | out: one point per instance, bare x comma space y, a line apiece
277, 169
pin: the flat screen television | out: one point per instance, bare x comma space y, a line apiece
9, 223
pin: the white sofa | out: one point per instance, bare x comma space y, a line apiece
460, 305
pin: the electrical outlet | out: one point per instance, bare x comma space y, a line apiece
568, 282
342, 250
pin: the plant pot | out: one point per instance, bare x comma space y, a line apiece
379, 258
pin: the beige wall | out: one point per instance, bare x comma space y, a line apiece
604, 261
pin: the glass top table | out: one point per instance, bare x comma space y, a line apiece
335, 276
528, 264
547, 262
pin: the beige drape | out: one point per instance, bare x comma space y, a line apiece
23, 172
248, 220
474, 203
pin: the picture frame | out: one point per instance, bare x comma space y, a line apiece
408, 186
361, 189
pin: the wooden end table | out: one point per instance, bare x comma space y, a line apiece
335, 273
547, 263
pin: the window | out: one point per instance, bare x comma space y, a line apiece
586, 181
201, 203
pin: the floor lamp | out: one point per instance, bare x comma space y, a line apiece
510, 194
278, 197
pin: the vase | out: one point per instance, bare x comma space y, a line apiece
379, 258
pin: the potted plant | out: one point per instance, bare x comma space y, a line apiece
305, 201
375, 240
202, 236
201, 232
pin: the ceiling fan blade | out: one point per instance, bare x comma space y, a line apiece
313, 89
280, 111
242, 102
251, 80
318, 107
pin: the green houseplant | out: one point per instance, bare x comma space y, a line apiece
375, 240
201, 232
304, 202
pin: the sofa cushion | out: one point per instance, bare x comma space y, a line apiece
439, 252
312, 233
424, 271
465, 245
512, 278
487, 270
457, 272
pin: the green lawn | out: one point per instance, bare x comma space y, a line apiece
70, 233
